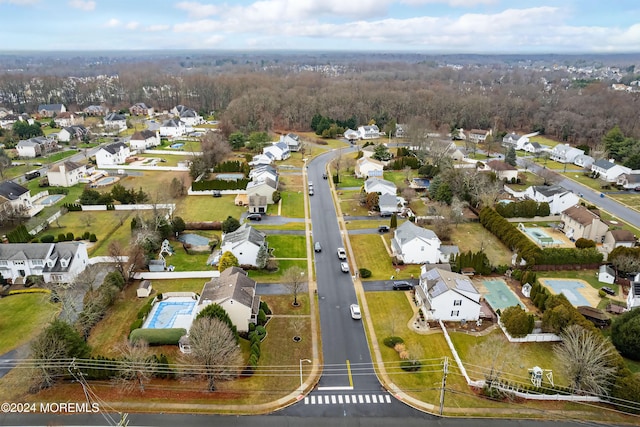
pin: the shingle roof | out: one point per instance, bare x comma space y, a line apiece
143, 135
68, 166
439, 281
580, 214
245, 233
171, 123
115, 147
50, 107
232, 283
550, 190
114, 117
499, 165
604, 164
11, 191
409, 231
623, 236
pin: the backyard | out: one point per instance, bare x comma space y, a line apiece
472, 236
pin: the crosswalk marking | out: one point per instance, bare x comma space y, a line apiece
340, 399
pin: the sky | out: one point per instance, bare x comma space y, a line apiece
430, 26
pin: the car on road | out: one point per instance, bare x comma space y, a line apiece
608, 290
383, 229
342, 254
325, 176
344, 267
254, 217
310, 184
355, 311
317, 247
636, 189
311, 191
402, 285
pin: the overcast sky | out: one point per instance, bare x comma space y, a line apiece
450, 26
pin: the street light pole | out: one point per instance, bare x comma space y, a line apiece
302, 360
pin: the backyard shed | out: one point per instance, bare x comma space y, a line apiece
144, 289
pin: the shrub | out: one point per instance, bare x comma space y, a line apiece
145, 309
255, 349
136, 325
364, 273
262, 317
265, 307
261, 332
70, 237
516, 321
48, 238
601, 293
410, 365
252, 327
625, 334
61, 237
86, 235
392, 341
583, 243
93, 238
169, 336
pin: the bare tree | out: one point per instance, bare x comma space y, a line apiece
137, 365
586, 359
293, 279
45, 349
214, 349
118, 256
500, 359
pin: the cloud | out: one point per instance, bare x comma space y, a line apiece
86, 5
195, 9
112, 23
452, 3
20, 2
132, 25
158, 27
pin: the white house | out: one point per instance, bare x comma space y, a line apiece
56, 262
479, 135
66, 174
263, 172
279, 150
633, 299
584, 161
368, 132
115, 121
380, 186
143, 140
236, 293
262, 159
112, 154
557, 197
629, 181
172, 128
36, 146
7, 121
262, 187
388, 204
412, 244
447, 296
608, 170
187, 115
503, 170
532, 147
15, 197
72, 132
511, 139
67, 119
351, 134
292, 140
617, 238
579, 222
244, 244
606, 274
564, 153
367, 167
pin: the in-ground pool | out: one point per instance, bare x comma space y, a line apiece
421, 182
177, 145
229, 176
193, 239
540, 236
570, 289
174, 312
51, 199
499, 295
107, 180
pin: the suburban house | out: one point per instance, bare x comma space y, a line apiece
76, 132
606, 274
629, 181
262, 187
584, 161
14, 197
447, 296
401, 131
96, 110
261, 159
351, 135
112, 154
412, 244
172, 128
186, 115
144, 139
479, 135
115, 121
66, 174
279, 150
367, 167
503, 170
245, 243
234, 291
368, 132
262, 172
608, 170
616, 238
579, 222
36, 146
51, 110
511, 140
388, 204
257, 204
564, 153
140, 109
557, 197
380, 186
67, 119
292, 140
633, 298
6, 122
56, 262
532, 147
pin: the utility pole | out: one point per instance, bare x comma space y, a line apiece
444, 383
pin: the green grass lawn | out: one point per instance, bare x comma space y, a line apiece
292, 204
594, 184
171, 159
472, 236
398, 177
287, 246
630, 200
371, 254
372, 224
23, 317
350, 181
276, 276
350, 203
283, 304
189, 146
526, 179
288, 226
207, 208
188, 262
543, 140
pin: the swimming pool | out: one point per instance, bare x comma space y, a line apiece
230, 176
540, 237
175, 312
51, 199
569, 288
106, 180
193, 239
499, 295
177, 145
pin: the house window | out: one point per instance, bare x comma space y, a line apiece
37, 262
56, 278
18, 262
3, 262
455, 313
457, 302
422, 248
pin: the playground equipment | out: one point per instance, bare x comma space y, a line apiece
536, 374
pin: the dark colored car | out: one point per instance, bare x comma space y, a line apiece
402, 286
254, 217
608, 290
383, 229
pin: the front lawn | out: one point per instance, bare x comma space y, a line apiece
292, 204
350, 181
287, 246
23, 317
264, 276
371, 254
350, 203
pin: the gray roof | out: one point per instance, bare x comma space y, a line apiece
11, 191
50, 107
232, 283
114, 117
608, 270
268, 181
68, 166
388, 200
549, 190
171, 123
257, 201
409, 231
440, 281
115, 147
143, 135
604, 164
188, 113
25, 251
243, 234
36, 140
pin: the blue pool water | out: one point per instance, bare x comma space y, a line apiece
177, 145
422, 182
569, 288
49, 200
170, 314
193, 239
500, 296
107, 180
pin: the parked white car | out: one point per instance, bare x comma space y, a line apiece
355, 311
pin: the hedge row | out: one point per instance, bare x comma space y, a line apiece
217, 184
168, 336
509, 235
523, 209
30, 291
560, 256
